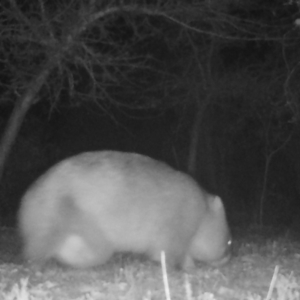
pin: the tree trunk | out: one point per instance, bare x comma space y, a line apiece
194, 139
17, 116
199, 132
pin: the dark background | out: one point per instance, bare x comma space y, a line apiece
239, 98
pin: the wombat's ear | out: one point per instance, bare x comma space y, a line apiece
216, 203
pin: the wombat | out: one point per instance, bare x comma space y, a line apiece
90, 206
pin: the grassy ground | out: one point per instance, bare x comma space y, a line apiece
265, 265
